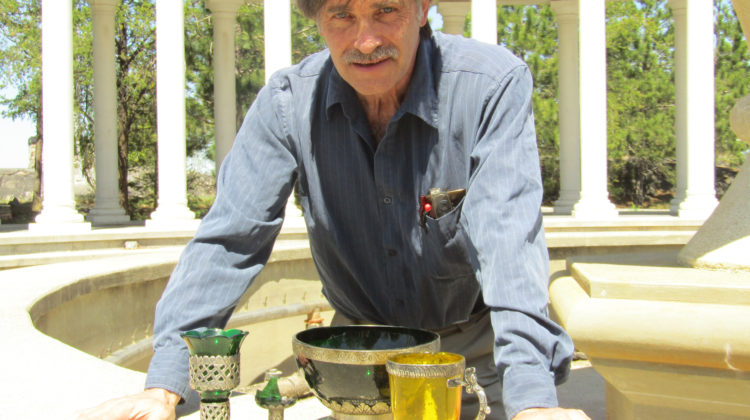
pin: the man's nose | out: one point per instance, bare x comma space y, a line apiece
367, 38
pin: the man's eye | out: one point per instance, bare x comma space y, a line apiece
341, 15
387, 10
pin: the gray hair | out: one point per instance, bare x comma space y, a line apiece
311, 8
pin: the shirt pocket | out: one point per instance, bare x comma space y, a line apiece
445, 247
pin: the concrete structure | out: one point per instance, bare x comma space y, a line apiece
666, 339
58, 211
724, 240
107, 210
82, 327
170, 116
669, 339
583, 136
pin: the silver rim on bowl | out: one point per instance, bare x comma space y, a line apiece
361, 357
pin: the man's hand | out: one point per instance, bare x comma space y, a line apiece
151, 404
551, 414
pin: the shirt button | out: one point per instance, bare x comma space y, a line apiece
392, 253
387, 199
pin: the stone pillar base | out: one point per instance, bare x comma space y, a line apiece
104, 217
172, 217
594, 209
566, 202
697, 207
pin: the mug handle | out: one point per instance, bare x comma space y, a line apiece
472, 386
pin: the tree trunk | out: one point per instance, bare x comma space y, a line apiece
122, 162
36, 201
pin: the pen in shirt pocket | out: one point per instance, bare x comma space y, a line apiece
438, 202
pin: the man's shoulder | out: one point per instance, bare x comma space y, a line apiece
309, 70
463, 55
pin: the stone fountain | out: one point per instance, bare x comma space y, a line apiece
670, 332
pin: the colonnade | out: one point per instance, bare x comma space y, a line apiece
582, 103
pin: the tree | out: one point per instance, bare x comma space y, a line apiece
20, 68
249, 64
20, 72
135, 50
640, 100
530, 33
732, 67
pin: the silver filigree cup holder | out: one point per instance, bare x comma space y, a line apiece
214, 368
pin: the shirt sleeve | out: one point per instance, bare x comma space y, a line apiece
233, 242
502, 218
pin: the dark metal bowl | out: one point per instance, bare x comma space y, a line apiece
345, 366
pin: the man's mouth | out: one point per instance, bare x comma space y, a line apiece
367, 64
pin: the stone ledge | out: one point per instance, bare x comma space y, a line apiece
67, 378
657, 277
704, 335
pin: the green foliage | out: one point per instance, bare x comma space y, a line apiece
640, 92
732, 67
200, 78
83, 92
640, 42
640, 100
250, 65
531, 33
305, 36
20, 58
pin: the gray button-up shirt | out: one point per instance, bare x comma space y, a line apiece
466, 122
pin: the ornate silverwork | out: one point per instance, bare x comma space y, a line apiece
357, 408
214, 372
215, 410
357, 357
448, 370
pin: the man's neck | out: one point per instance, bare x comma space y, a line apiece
379, 111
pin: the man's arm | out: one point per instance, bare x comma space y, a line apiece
233, 242
501, 215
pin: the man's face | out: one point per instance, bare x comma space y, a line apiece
373, 43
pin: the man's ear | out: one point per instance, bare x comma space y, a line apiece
425, 10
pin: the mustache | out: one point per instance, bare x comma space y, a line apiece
354, 56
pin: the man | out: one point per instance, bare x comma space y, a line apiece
386, 114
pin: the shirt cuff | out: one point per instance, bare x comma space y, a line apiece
527, 387
168, 372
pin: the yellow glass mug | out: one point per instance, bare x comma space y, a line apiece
427, 386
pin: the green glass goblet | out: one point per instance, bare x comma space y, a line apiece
214, 368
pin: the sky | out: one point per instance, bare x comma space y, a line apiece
14, 140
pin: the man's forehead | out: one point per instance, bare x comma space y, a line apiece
335, 5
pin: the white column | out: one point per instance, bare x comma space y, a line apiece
277, 28
107, 210
172, 210
58, 205
695, 196
569, 112
484, 20
454, 16
594, 202
224, 14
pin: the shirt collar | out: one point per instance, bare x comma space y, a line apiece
421, 97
